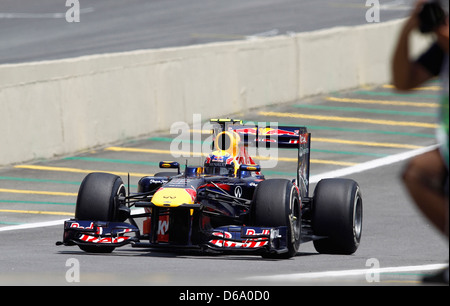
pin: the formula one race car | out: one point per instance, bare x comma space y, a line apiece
224, 206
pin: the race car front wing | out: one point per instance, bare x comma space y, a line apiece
97, 233
226, 239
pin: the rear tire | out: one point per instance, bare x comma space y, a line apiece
98, 201
276, 203
337, 214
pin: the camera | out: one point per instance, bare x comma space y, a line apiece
431, 16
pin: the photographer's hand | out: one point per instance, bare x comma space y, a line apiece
413, 21
406, 73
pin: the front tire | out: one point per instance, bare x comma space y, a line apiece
276, 203
98, 198
337, 214
98, 201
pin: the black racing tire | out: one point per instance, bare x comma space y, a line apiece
97, 201
337, 214
276, 203
97, 197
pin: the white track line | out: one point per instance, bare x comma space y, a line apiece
32, 225
344, 273
314, 179
41, 15
371, 164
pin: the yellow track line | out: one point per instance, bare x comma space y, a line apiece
186, 153
155, 151
366, 143
432, 88
401, 282
383, 102
205, 132
331, 162
36, 212
53, 193
75, 170
349, 119
313, 161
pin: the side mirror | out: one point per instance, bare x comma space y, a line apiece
170, 165
254, 168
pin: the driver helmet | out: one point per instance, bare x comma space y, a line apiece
221, 163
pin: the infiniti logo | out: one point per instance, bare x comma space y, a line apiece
238, 191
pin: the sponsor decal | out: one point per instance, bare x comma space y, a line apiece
96, 239
238, 191
163, 229
217, 159
303, 138
267, 140
244, 243
192, 192
99, 231
269, 131
174, 196
251, 131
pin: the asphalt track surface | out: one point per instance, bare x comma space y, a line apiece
36, 197
37, 30
350, 130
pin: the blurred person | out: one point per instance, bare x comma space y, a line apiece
426, 177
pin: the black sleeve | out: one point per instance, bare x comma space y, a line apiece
433, 59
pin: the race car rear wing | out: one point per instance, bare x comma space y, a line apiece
276, 137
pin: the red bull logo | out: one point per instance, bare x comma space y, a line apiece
278, 132
245, 243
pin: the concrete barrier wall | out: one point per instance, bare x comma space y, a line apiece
60, 107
